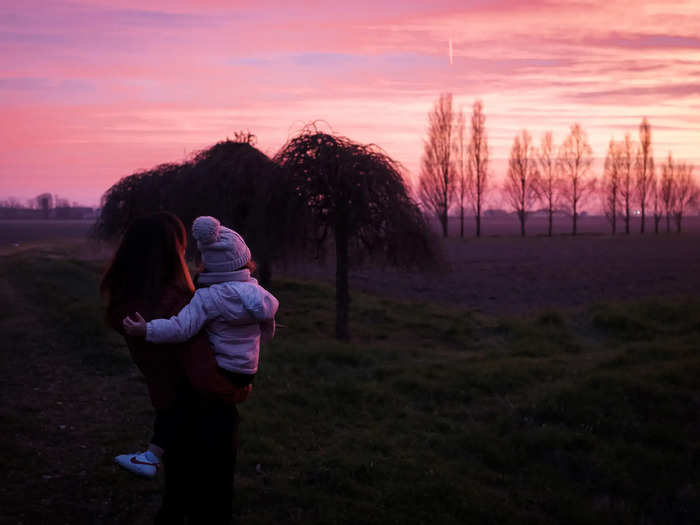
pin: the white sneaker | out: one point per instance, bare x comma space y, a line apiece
144, 464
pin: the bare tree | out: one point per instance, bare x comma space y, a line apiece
45, 203
355, 194
644, 165
687, 193
547, 183
460, 165
13, 202
320, 190
436, 182
667, 190
657, 203
626, 179
232, 180
477, 167
521, 180
610, 187
574, 160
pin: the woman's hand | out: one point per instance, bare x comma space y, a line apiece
241, 394
135, 326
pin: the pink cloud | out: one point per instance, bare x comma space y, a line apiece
91, 91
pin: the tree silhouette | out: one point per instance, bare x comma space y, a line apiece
478, 155
687, 193
45, 203
644, 165
135, 195
521, 180
575, 160
626, 179
667, 189
460, 165
548, 181
232, 180
436, 181
611, 182
357, 194
241, 186
657, 203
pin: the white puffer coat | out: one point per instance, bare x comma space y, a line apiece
236, 314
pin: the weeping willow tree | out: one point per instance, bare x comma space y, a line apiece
232, 181
241, 186
354, 197
133, 196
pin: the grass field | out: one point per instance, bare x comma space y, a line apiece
21, 232
429, 415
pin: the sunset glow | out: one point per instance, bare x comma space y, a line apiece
93, 91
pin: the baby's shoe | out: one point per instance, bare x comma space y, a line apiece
144, 464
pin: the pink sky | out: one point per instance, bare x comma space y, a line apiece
93, 91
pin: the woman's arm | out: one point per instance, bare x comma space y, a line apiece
202, 372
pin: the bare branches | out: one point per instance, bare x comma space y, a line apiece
436, 182
611, 182
357, 193
245, 137
548, 181
644, 167
460, 166
521, 181
667, 190
687, 193
626, 179
575, 160
477, 167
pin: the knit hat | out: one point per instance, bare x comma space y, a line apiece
223, 250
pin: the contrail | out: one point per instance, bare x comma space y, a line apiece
450, 51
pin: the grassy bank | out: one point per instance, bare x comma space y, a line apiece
428, 416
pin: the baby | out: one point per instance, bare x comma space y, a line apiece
236, 312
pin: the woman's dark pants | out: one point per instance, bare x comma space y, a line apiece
199, 465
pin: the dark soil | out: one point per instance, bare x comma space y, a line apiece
516, 275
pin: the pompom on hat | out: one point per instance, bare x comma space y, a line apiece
205, 229
223, 250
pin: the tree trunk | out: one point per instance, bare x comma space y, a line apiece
668, 223
461, 221
551, 217
478, 216
574, 221
522, 224
679, 218
643, 219
627, 220
443, 223
342, 291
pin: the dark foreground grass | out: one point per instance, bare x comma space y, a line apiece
428, 416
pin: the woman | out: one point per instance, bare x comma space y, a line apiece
148, 274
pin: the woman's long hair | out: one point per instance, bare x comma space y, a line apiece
149, 260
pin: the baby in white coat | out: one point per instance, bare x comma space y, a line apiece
236, 312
